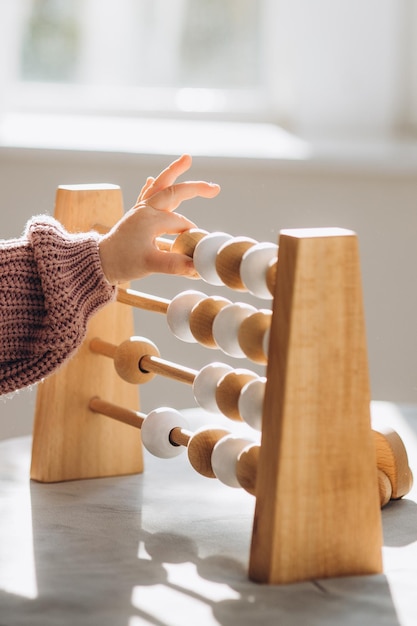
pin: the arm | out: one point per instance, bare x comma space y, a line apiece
52, 282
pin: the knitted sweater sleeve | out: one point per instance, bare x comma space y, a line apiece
51, 283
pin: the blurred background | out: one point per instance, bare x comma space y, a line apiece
305, 113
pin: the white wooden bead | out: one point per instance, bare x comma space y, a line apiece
254, 266
205, 385
205, 254
224, 458
178, 314
226, 327
251, 402
156, 429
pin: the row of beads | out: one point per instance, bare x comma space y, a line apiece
240, 263
237, 393
217, 387
212, 452
238, 329
215, 453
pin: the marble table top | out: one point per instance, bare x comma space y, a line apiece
170, 547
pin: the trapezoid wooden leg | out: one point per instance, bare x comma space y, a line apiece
317, 509
70, 441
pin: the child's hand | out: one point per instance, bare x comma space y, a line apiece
129, 250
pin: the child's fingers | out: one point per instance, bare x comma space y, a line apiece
170, 198
172, 263
144, 189
169, 175
173, 224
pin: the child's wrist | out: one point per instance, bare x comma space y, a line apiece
106, 263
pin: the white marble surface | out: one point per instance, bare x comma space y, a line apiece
170, 547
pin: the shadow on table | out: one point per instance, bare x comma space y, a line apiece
221, 586
97, 566
399, 523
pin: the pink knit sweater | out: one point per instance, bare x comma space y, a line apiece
51, 283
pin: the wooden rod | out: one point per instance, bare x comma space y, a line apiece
179, 436
156, 365
148, 363
142, 300
99, 346
127, 416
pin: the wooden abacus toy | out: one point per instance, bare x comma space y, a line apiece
320, 473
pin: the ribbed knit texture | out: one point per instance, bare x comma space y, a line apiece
51, 283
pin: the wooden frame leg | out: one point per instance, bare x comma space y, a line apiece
317, 504
70, 441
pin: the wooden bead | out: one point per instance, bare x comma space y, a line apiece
179, 311
224, 458
127, 359
205, 385
247, 467
229, 389
205, 254
251, 335
200, 448
392, 460
251, 401
385, 488
226, 326
186, 242
202, 318
169, 369
271, 276
228, 261
156, 429
254, 268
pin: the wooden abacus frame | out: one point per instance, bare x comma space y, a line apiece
317, 508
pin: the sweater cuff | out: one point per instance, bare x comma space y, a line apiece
72, 278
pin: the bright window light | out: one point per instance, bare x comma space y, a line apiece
139, 56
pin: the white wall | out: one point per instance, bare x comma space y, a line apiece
259, 197
343, 66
